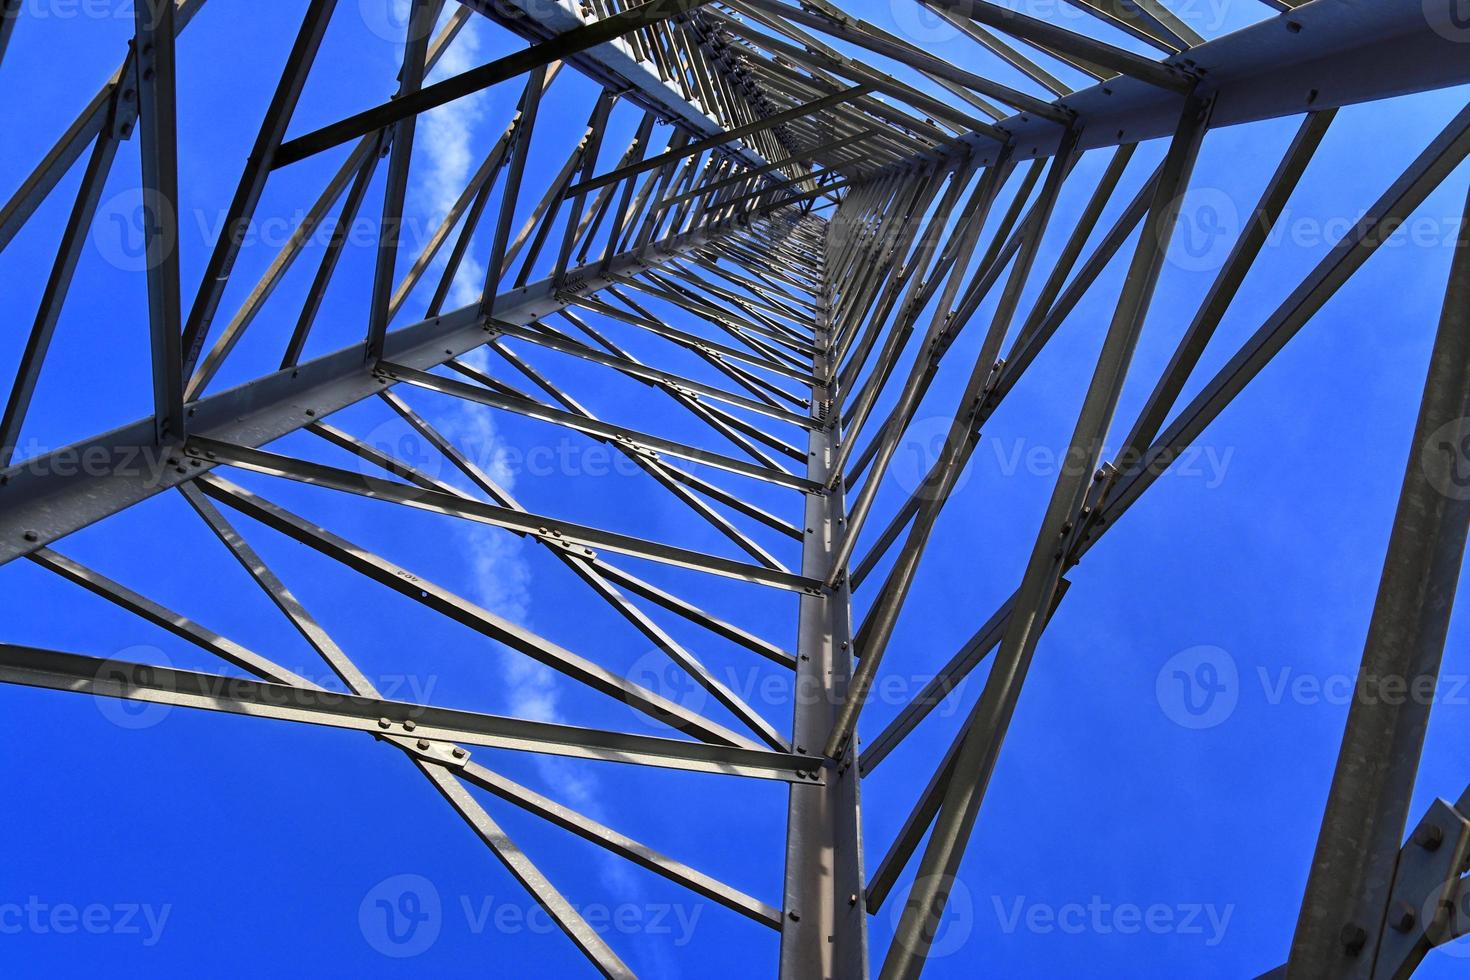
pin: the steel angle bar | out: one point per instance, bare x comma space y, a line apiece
422, 14
699, 146
705, 299
549, 208
825, 930
886, 609
1227, 282
641, 211
1443, 154
601, 835
696, 342
280, 596
1130, 19
241, 213
422, 752
758, 300
571, 922
1059, 38
581, 565
116, 98
598, 127
466, 613
675, 481
167, 619
1007, 53
158, 144
695, 614
664, 472
775, 349
357, 170
49, 497
1043, 323
503, 69
735, 503
525, 127
58, 284
989, 720
712, 313
574, 535
331, 255
628, 366
812, 56
802, 157
1164, 21
732, 427
474, 197
587, 231
379, 458
9, 17
620, 214
101, 677
864, 35
1345, 910
919, 273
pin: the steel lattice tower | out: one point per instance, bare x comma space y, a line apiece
799, 327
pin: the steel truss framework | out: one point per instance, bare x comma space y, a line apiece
800, 325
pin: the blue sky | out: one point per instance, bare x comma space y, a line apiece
258, 847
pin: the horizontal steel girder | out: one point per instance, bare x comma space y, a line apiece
1325, 54
50, 496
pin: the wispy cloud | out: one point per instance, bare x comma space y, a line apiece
444, 161
445, 144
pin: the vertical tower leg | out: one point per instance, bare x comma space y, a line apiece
823, 932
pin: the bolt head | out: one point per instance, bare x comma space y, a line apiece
1429, 836
1354, 937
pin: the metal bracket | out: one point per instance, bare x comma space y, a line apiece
1091, 512
1425, 905
442, 753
